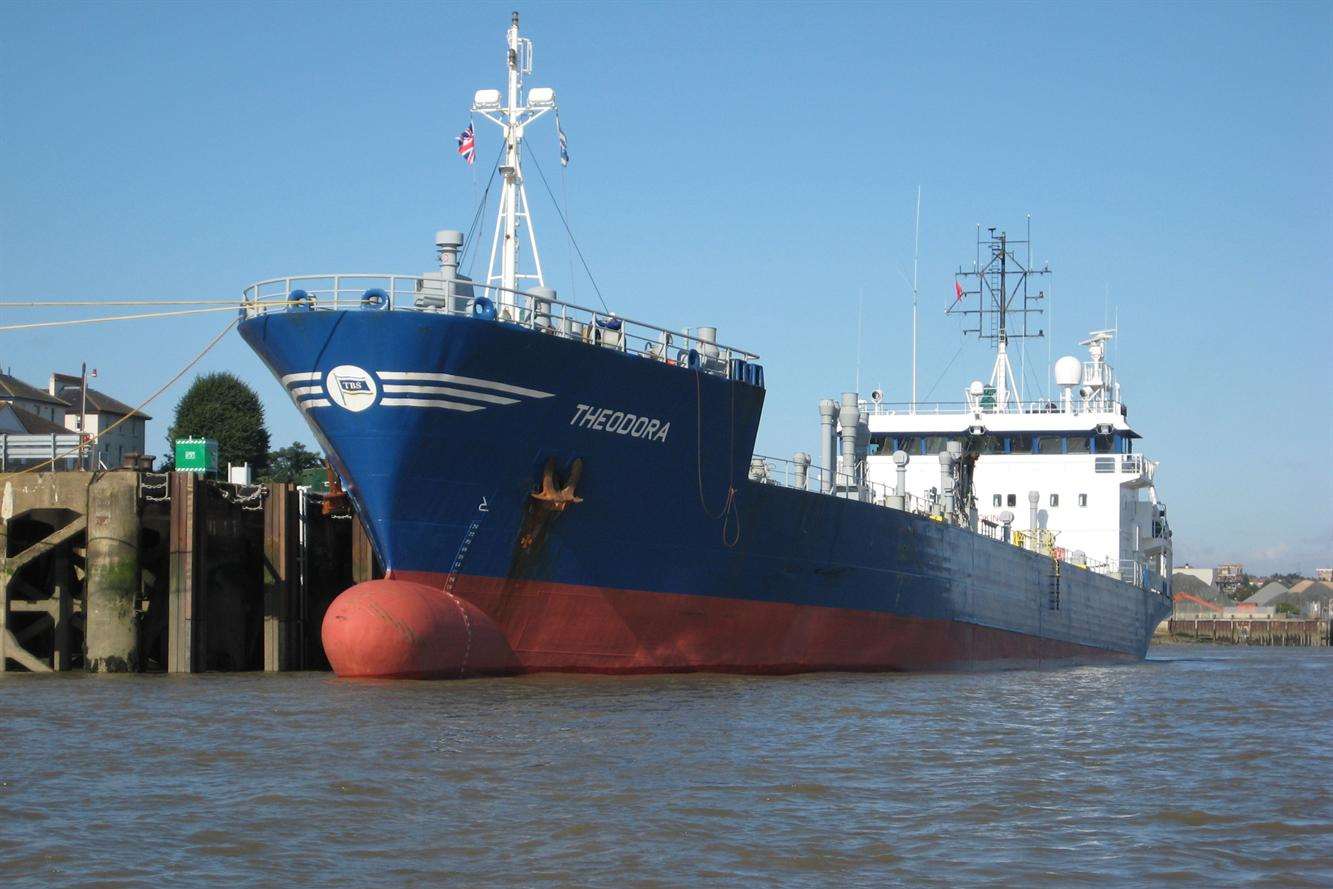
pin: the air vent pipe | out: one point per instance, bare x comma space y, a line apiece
850, 418
801, 460
828, 442
1033, 499
946, 482
707, 341
542, 299
899, 499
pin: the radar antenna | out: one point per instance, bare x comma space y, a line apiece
513, 116
1002, 309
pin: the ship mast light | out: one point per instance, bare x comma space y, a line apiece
513, 222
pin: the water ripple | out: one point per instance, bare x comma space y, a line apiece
1201, 767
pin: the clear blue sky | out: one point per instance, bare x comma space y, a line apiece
752, 166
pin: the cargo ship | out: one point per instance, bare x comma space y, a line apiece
552, 487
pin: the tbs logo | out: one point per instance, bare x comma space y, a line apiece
351, 388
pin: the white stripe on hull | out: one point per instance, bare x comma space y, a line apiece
445, 390
429, 402
464, 381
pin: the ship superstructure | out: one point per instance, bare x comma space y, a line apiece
1057, 475
556, 487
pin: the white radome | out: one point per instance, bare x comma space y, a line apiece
1068, 371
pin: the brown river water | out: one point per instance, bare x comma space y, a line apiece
1204, 766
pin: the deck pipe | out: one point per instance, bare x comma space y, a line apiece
707, 341
850, 415
801, 460
899, 498
542, 298
457, 288
946, 482
828, 447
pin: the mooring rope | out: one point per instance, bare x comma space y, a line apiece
140, 406
234, 306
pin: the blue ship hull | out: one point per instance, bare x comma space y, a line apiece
443, 426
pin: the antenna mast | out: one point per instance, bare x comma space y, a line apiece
512, 114
916, 257
1003, 307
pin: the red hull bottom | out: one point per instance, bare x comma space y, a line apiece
409, 627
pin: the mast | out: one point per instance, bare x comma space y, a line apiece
513, 219
916, 259
1001, 312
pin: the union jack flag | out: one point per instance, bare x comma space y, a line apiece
467, 145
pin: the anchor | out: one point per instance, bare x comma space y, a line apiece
555, 497
547, 502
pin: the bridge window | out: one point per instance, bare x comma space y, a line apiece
1108, 444
989, 444
933, 444
909, 443
1020, 443
1049, 444
878, 443
1078, 444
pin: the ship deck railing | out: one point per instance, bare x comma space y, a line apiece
433, 294
818, 480
954, 408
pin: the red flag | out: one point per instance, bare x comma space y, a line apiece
958, 288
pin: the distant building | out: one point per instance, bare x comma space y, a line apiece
27, 440
1247, 611
1313, 597
46, 405
1324, 574
1203, 574
1194, 598
102, 412
1228, 578
18, 421
1268, 594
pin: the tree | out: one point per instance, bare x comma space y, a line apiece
222, 407
289, 464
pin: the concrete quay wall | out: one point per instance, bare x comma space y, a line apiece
124, 570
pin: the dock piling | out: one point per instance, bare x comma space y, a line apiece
112, 586
282, 624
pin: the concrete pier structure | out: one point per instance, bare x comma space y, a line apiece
129, 570
113, 583
42, 523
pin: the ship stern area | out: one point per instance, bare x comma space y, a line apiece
494, 468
